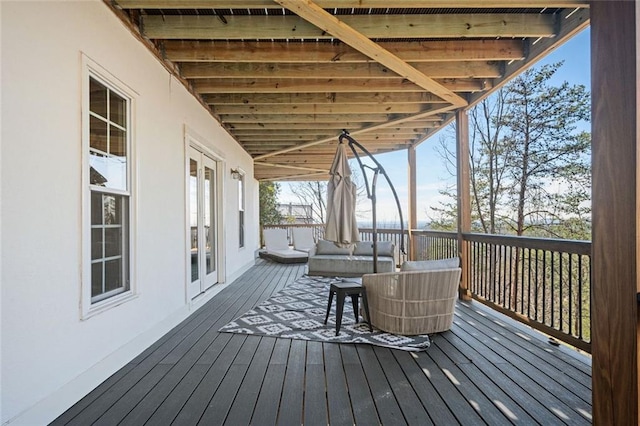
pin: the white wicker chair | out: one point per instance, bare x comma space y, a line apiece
410, 303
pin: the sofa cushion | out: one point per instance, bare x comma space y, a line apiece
329, 247
430, 265
365, 248
347, 266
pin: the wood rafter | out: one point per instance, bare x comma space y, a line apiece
336, 98
269, 4
286, 77
385, 124
291, 27
459, 69
318, 109
297, 85
321, 52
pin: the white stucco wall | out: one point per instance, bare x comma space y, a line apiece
45, 344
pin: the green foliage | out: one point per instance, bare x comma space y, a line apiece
268, 194
548, 164
530, 163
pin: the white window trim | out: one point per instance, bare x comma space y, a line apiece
88, 309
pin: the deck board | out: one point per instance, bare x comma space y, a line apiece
315, 400
486, 369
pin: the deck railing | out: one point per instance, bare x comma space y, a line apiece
544, 283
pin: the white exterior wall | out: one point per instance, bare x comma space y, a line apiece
49, 354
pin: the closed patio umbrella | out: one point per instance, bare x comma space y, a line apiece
341, 226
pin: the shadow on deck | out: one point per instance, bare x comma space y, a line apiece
487, 369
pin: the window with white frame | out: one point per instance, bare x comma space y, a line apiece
107, 168
241, 209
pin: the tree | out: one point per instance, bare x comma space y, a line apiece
549, 161
268, 195
529, 163
314, 194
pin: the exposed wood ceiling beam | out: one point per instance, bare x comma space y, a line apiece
570, 23
338, 98
297, 85
273, 133
375, 4
359, 41
336, 127
318, 109
323, 52
292, 139
304, 176
462, 69
291, 27
389, 123
306, 118
287, 166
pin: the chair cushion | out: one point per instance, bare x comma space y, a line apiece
329, 247
365, 248
276, 239
430, 265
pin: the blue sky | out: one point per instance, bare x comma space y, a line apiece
432, 175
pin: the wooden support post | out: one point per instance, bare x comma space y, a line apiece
616, 211
413, 199
464, 197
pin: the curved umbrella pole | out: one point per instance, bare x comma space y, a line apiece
371, 193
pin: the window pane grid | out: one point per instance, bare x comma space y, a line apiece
108, 149
108, 137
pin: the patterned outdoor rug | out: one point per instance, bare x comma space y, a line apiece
298, 311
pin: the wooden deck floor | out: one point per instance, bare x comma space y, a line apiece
486, 370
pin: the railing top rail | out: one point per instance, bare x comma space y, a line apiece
295, 225
558, 245
441, 234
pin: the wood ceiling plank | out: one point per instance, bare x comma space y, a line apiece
356, 4
307, 118
389, 123
338, 125
360, 40
291, 27
269, 85
293, 177
283, 132
247, 140
320, 98
319, 109
318, 131
570, 24
256, 141
323, 52
288, 166
450, 69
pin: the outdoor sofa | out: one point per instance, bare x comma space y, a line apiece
328, 260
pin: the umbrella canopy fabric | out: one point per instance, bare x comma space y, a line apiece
341, 226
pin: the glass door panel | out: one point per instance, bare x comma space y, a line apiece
193, 218
202, 222
210, 223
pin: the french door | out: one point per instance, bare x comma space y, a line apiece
202, 218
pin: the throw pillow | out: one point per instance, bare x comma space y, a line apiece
329, 247
430, 265
365, 248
